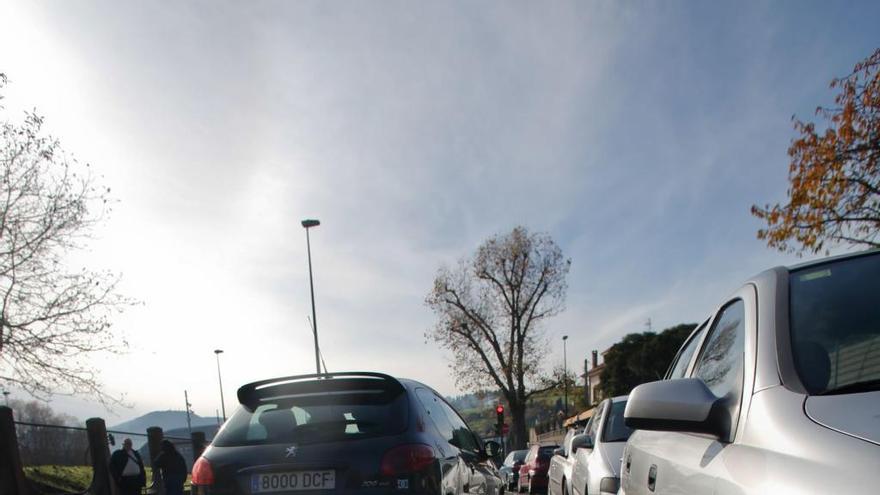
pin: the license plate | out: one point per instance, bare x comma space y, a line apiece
293, 481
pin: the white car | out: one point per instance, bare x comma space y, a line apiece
597, 462
561, 464
777, 392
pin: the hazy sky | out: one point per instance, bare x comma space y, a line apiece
636, 134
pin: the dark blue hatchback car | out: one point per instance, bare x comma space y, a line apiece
345, 433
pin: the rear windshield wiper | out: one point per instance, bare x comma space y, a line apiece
854, 388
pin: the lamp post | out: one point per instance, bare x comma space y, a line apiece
565, 371
217, 353
307, 224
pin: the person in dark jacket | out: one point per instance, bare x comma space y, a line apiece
127, 469
173, 468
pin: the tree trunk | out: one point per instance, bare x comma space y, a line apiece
519, 434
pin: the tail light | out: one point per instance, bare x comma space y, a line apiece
202, 472
406, 459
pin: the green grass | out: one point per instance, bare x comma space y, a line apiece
60, 479
69, 479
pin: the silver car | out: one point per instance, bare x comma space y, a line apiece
777, 392
597, 463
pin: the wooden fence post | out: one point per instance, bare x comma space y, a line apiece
154, 446
102, 483
12, 478
198, 443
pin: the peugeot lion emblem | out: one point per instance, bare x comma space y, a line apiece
291, 451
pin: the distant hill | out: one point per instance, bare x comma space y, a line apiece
208, 430
167, 420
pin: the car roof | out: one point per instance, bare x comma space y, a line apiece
827, 259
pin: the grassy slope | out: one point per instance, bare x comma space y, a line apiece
67, 479
60, 479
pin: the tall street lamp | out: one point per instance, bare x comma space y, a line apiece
217, 353
565, 371
307, 224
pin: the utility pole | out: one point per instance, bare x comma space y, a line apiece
565, 371
217, 353
307, 224
188, 420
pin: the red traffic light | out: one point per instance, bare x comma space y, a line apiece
499, 409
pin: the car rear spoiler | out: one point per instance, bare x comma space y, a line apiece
362, 386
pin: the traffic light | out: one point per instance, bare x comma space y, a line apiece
499, 411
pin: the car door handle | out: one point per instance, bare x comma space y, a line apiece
652, 477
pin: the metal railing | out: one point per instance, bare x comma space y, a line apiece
44, 459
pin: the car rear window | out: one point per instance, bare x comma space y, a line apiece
615, 430
546, 452
315, 418
835, 325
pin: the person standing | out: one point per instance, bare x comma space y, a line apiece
173, 468
127, 469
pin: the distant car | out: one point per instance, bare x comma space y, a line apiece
510, 468
777, 392
533, 472
597, 460
345, 433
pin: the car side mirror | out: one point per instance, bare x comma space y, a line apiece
493, 448
582, 441
683, 404
559, 451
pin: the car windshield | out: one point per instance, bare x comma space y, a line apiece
515, 456
615, 430
835, 325
335, 419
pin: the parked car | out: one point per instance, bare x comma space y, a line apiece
345, 433
597, 461
777, 392
510, 468
559, 474
533, 472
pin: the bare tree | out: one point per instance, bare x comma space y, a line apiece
490, 310
52, 317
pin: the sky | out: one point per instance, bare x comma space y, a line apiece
637, 135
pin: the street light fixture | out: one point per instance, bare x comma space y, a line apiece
6, 397
565, 371
307, 224
217, 353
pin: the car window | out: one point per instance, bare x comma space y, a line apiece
683, 359
462, 436
313, 419
835, 325
432, 405
595, 421
720, 363
508, 461
546, 451
615, 430
566, 442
